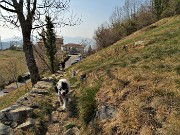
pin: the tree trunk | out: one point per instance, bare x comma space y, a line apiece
28, 50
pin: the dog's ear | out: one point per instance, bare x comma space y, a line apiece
64, 85
56, 89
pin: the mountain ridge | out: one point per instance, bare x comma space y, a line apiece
77, 40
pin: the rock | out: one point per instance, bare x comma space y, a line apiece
43, 85
39, 91
106, 112
34, 105
29, 123
5, 115
5, 130
55, 116
13, 115
72, 131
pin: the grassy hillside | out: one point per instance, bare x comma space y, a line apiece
142, 82
11, 61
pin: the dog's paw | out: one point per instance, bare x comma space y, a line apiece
62, 109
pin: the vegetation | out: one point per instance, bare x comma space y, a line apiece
141, 81
23, 14
87, 104
131, 17
10, 98
49, 40
8, 58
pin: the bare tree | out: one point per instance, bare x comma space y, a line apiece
131, 8
27, 15
117, 16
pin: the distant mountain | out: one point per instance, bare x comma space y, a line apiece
10, 41
76, 40
18, 41
5, 45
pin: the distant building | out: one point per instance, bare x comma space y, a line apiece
40, 53
59, 43
72, 48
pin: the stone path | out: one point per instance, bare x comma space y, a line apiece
20, 117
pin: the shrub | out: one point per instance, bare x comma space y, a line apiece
87, 104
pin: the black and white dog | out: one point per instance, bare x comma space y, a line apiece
62, 88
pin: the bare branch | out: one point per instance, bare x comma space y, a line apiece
6, 7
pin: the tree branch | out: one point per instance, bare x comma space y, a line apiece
34, 7
8, 9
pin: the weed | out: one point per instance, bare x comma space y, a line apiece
45, 110
163, 67
51, 90
87, 104
34, 130
73, 107
73, 80
69, 126
134, 59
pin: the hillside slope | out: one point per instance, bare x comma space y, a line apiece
139, 77
12, 64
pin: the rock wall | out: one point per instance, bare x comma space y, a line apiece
19, 116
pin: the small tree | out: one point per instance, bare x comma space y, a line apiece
49, 39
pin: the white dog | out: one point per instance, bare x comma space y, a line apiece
62, 88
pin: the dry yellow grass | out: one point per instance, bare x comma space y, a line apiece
11, 59
143, 82
10, 98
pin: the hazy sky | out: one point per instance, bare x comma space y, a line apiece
92, 12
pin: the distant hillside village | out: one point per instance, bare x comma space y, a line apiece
70, 48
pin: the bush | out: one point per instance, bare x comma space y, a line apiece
87, 104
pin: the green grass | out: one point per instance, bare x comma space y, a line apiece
87, 104
10, 98
152, 72
69, 126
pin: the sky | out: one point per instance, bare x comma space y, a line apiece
93, 13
